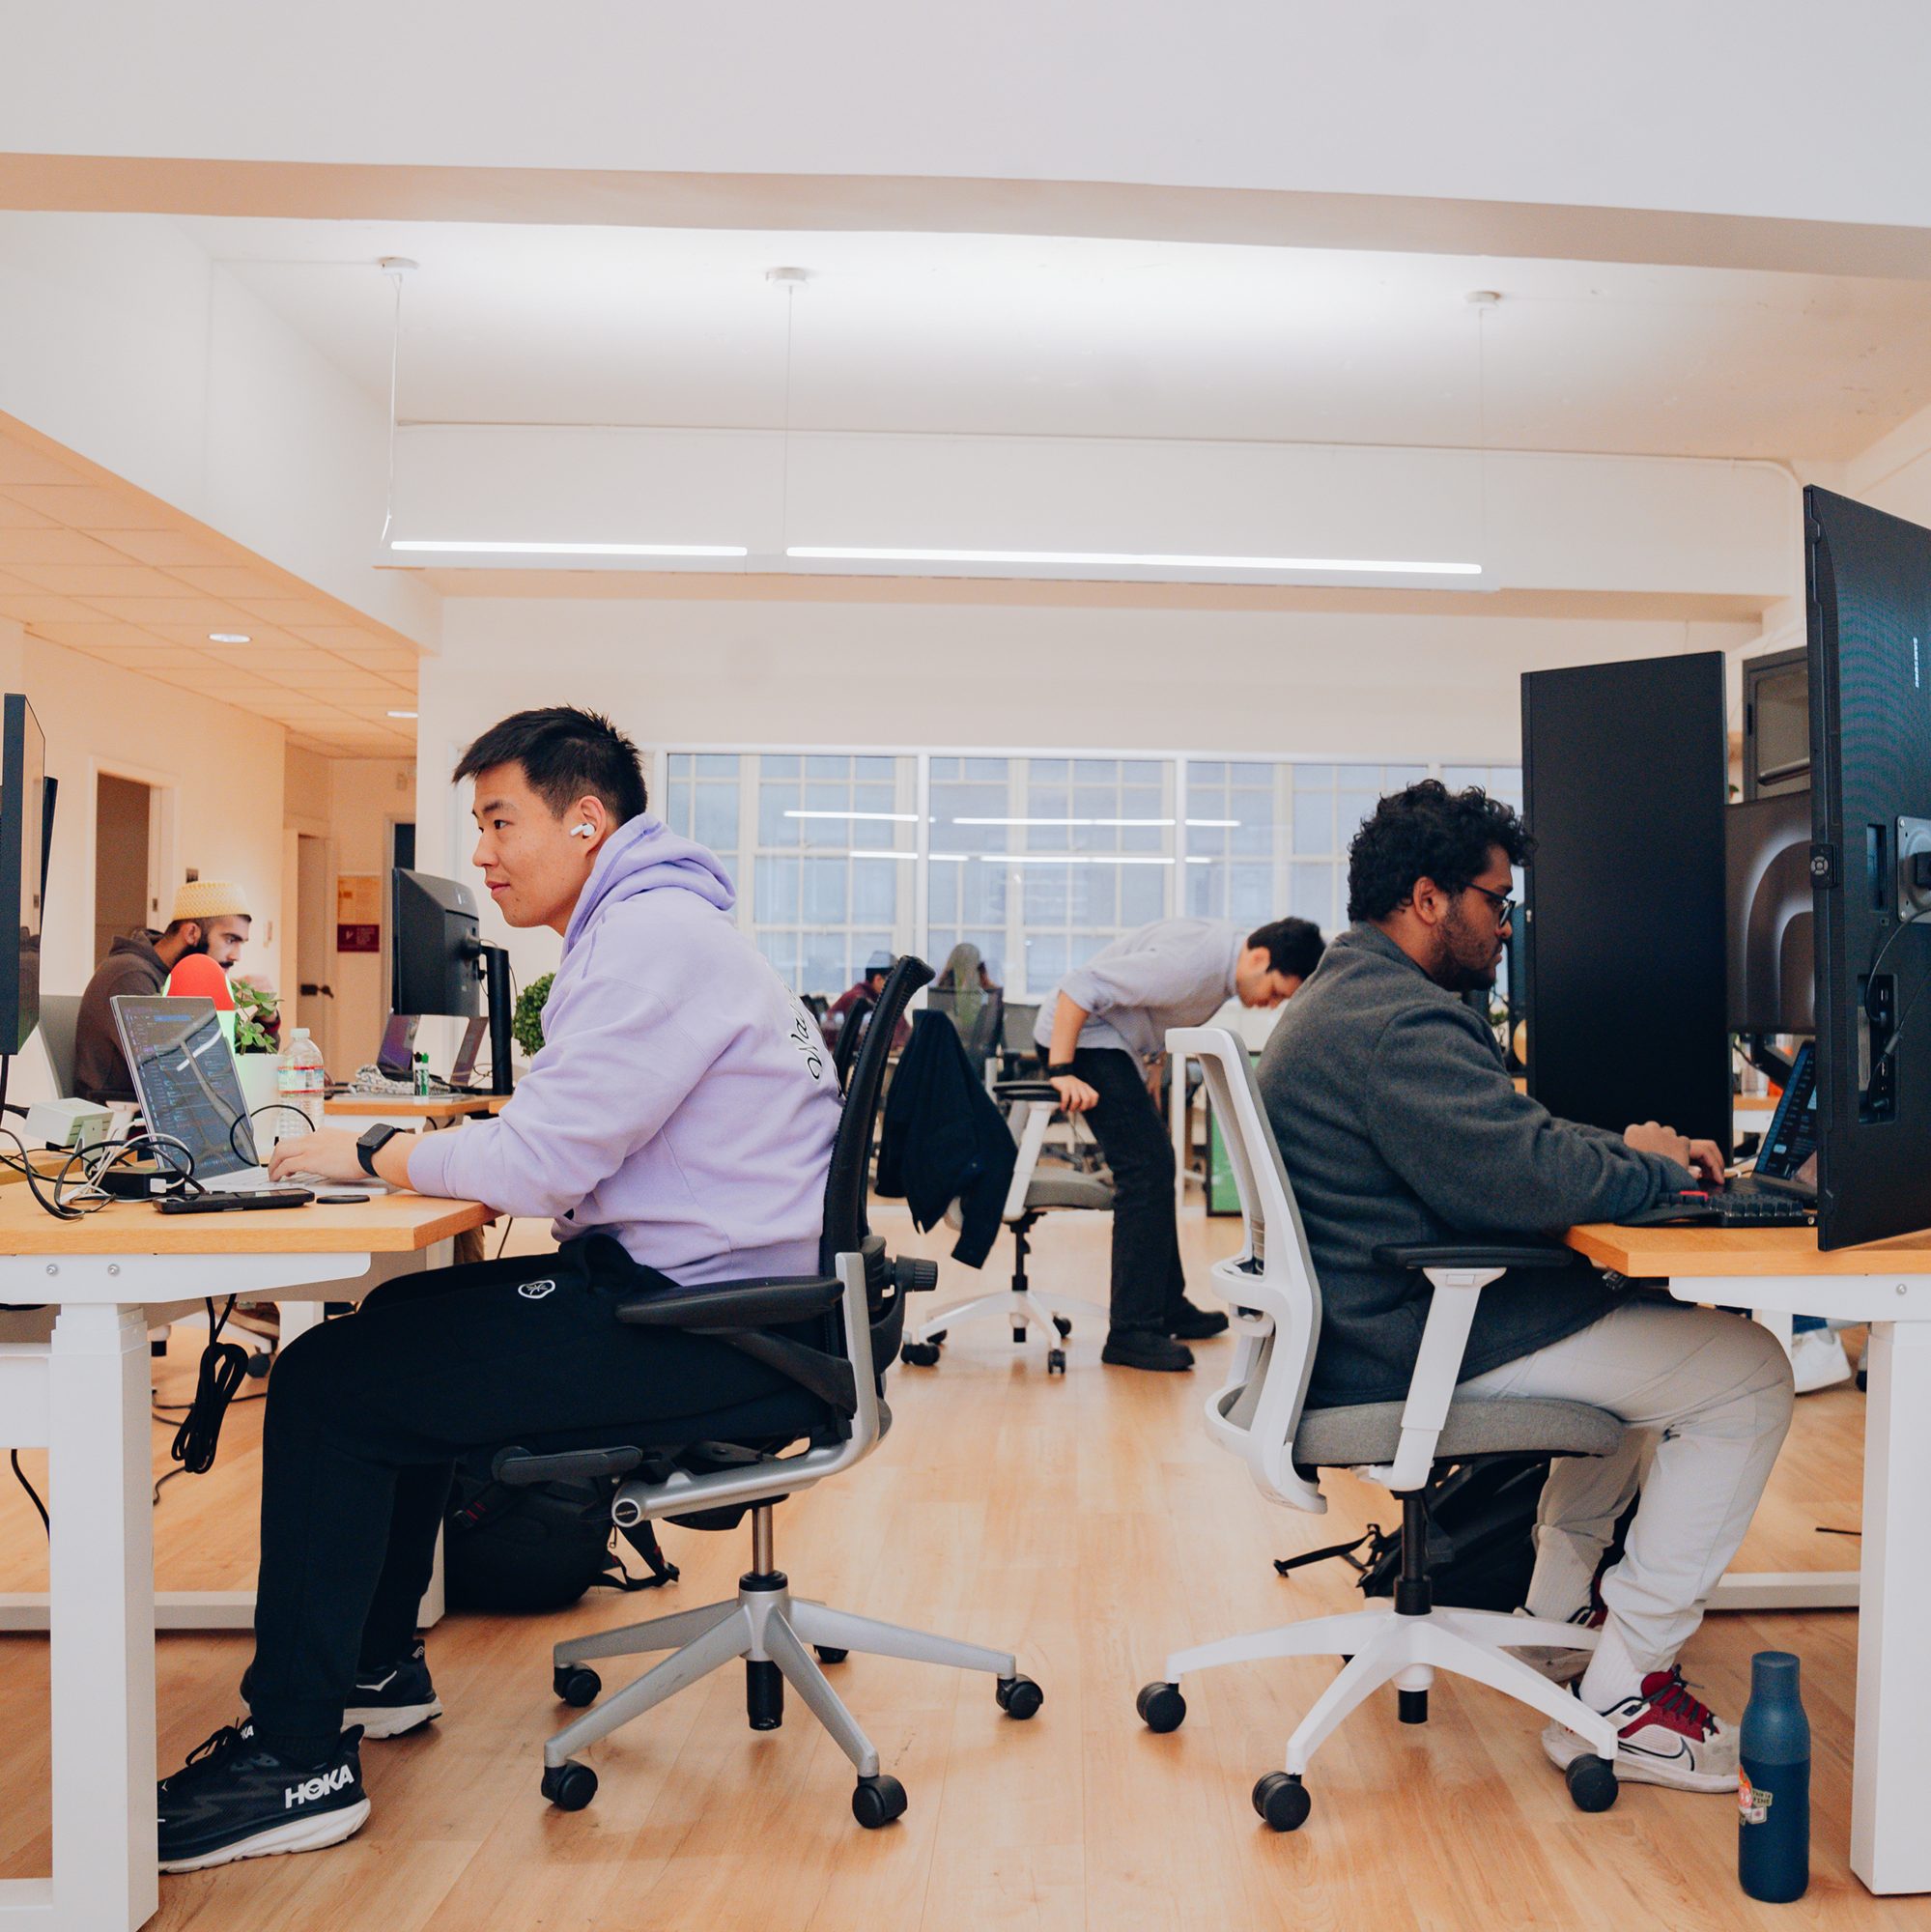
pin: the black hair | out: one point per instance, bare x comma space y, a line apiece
1427, 831
565, 752
1294, 946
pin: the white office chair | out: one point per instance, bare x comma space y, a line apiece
1259, 1415
1028, 1311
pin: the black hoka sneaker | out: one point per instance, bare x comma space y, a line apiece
236, 1799
1187, 1324
393, 1702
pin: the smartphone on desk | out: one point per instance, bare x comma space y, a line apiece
235, 1203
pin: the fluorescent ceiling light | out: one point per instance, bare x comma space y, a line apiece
402, 714
1066, 821
1222, 824
1350, 566
890, 817
470, 546
1068, 858
229, 637
885, 855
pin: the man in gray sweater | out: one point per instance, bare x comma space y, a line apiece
1398, 1122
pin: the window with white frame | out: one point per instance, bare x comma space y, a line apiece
702, 800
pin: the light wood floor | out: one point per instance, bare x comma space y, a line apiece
1088, 1524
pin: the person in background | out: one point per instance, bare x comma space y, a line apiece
1398, 1124
208, 916
877, 970
1104, 1032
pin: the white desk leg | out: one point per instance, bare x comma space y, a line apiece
1779, 1323
102, 1572
1890, 1848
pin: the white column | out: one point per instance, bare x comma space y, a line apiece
1890, 1850
101, 1567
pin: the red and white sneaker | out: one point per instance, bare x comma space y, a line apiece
1664, 1736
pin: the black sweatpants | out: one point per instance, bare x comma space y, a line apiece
1148, 1282
367, 1414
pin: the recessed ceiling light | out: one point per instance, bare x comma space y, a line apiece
229, 637
402, 714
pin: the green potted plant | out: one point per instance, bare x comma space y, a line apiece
526, 1022
257, 1039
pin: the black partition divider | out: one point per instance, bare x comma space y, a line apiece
1870, 605
1625, 771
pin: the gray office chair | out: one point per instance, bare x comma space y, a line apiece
831, 1334
60, 1015
1030, 1105
1261, 1416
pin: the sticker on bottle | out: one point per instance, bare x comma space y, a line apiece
1753, 1800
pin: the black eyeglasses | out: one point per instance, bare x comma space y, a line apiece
1505, 907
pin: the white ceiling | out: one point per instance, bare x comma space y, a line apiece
90, 562
1069, 337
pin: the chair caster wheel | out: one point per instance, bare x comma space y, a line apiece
830, 1652
1056, 1361
877, 1801
569, 1786
935, 1338
1592, 1784
1282, 1799
1019, 1331
1161, 1707
1065, 1326
1019, 1697
576, 1684
919, 1354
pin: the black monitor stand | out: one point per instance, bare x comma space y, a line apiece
493, 968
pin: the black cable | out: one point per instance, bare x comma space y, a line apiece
33, 1494
254, 1113
509, 1222
1889, 940
224, 1367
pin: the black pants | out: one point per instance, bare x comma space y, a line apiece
365, 1418
1149, 1283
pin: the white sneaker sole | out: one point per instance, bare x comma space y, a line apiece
392, 1720
298, 1834
1563, 1747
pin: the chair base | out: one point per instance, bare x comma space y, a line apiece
1385, 1647
1032, 1313
768, 1628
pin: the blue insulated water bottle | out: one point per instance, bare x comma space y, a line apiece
1773, 1784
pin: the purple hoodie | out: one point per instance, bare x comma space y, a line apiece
683, 1101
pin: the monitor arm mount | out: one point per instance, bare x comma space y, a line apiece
493, 968
1765, 1057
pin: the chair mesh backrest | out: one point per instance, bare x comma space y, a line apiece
1275, 1237
847, 1183
978, 1014
60, 1016
850, 1031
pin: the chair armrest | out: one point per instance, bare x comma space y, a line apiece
1475, 1255
519, 1466
1026, 1090
733, 1305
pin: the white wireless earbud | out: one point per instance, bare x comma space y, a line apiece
585, 831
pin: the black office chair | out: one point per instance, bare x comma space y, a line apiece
831, 1334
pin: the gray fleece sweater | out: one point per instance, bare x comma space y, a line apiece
1398, 1122
1174, 973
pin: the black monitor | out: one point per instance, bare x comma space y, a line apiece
439, 965
1766, 895
1868, 578
25, 828
1624, 773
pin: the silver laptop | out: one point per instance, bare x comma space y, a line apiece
185, 1073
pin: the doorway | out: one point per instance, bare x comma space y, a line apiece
314, 944
126, 870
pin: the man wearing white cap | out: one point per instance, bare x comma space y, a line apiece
208, 916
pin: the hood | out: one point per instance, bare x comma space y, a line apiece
645, 856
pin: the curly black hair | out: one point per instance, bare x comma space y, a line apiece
1427, 831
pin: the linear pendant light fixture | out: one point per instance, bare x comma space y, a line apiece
467, 546
1338, 566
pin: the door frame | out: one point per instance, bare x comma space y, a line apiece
163, 832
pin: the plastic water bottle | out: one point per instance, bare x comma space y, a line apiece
1773, 1784
298, 1081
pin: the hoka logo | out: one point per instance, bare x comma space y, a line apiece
535, 1290
320, 1785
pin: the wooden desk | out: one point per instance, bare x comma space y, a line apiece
438, 1110
76, 1386
1886, 1284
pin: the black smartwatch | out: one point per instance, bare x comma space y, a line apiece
1061, 1070
372, 1142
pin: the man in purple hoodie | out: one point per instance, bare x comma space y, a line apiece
684, 1106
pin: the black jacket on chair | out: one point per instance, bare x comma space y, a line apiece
945, 1140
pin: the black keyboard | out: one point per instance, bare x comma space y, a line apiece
1701, 1209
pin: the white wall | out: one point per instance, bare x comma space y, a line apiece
366, 796
911, 676
226, 770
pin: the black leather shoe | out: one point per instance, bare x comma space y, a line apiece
1189, 1323
1142, 1349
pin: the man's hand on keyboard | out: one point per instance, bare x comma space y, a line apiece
328, 1155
